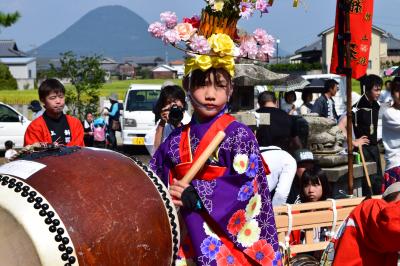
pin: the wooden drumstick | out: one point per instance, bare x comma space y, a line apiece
196, 167
365, 168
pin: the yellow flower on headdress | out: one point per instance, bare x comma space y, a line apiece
221, 44
205, 62
219, 5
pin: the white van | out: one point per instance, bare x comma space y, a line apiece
138, 118
12, 126
340, 97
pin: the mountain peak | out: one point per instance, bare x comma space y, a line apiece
113, 31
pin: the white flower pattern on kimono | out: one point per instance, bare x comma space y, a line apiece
240, 163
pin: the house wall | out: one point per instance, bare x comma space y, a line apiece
374, 53
164, 75
21, 74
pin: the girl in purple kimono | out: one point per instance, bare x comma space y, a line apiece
227, 212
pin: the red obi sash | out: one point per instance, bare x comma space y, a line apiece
208, 172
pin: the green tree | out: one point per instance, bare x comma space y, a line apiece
7, 81
7, 19
86, 77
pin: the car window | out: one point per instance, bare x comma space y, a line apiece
142, 100
8, 115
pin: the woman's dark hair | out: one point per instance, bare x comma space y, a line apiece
305, 95
168, 93
48, 86
289, 93
315, 176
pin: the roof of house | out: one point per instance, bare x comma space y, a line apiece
315, 46
108, 60
144, 60
17, 60
8, 48
374, 27
392, 42
164, 68
176, 62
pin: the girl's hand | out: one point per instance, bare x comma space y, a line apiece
176, 190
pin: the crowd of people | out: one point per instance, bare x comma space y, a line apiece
268, 167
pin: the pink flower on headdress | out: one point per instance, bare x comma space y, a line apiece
248, 47
246, 9
262, 6
157, 29
199, 44
195, 21
169, 18
171, 36
185, 31
267, 49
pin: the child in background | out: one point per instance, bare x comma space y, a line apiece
54, 126
10, 152
99, 133
314, 185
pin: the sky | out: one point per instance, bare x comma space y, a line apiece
42, 20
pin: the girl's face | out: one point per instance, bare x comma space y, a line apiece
209, 98
313, 192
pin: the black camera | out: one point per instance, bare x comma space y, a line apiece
175, 115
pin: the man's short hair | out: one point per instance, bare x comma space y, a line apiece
387, 81
266, 96
50, 85
372, 81
329, 84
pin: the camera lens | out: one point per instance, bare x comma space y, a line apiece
175, 115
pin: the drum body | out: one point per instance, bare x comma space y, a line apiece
85, 207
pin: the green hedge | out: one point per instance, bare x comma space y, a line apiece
120, 87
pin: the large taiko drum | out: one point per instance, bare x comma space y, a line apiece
73, 206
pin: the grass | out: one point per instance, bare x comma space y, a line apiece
18, 97
13, 97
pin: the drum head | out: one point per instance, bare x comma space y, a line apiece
16, 247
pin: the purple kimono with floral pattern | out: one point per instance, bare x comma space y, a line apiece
239, 201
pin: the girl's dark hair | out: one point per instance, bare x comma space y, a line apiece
173, 92
315, 176
289, 93
48, 86
198, 77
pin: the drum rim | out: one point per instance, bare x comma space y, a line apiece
43, 238
170, 207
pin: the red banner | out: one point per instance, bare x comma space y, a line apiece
361, 12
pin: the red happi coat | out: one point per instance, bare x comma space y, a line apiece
370, 236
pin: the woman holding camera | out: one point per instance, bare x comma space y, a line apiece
170, 113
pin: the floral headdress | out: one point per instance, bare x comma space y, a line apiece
212, 40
